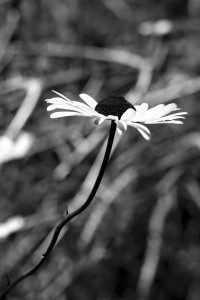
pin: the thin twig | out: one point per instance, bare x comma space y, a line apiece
69, 217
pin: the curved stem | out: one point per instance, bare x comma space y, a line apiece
69, 217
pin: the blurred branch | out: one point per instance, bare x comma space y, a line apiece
33, 88
10, 226
100, 54
194, 8
107, 198
173, 91
64, 77
155, 235
119, 56
6, 33
154, 243
94, 85
84, 148
48, 81
193, 189
119, 8
137, 93
70, 272
14, 144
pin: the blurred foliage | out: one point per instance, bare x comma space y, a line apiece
140, 239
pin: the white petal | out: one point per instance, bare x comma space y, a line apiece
56, 100
142, 129
119, 131
64, 99
99, 120
157, 114
71, 105
154, 112
141, 111
146, 136
65, 107
142, 108
111, 117
121, 127
89, 100
81, 105
171, 122
176, 116
62, 96
173, 116
170, 118
128, 115
124, 124
168, 109
140, 126
61, 114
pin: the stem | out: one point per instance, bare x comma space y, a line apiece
69, 217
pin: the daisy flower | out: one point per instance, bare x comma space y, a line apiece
118, 109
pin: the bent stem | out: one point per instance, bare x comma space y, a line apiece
69, 217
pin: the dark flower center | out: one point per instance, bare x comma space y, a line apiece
114, 105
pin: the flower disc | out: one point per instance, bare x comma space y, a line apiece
114, 105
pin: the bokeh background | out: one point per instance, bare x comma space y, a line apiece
140, 238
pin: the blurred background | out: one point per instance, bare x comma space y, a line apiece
140, 238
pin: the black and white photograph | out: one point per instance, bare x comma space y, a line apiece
99, 150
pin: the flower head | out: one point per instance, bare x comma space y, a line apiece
118, 109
